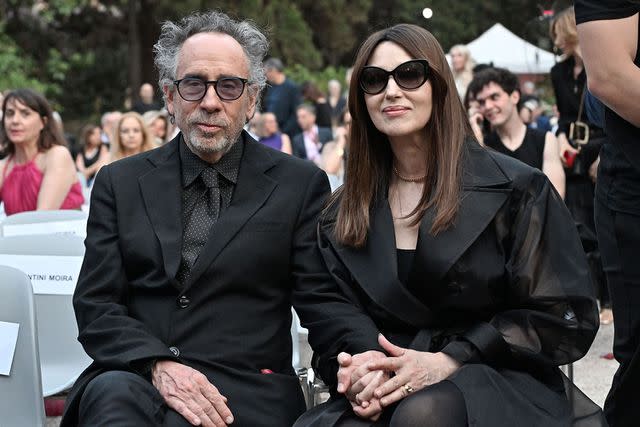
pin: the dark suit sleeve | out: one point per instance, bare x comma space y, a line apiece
550, 315
334, 321
112, 338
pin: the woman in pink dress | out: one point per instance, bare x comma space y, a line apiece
38, 172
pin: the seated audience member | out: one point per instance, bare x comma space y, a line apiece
108, 123
308, 144
131, 137
194, 250
93, 153
38, 172
158, 125
269, 135
312, 95
335, 152
467, 282
496, 91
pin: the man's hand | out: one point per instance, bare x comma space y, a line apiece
189, 393
358, 383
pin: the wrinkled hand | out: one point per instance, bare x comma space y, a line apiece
416, 369
189, 393
565, 147
358, 383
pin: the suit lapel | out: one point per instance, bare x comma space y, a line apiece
161, 190
252, 190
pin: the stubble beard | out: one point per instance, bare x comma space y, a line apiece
207, 143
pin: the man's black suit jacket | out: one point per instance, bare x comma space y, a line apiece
297, 143
232, 319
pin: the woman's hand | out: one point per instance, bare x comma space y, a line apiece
355, 381
414, 370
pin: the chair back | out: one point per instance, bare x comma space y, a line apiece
21, 403
45, 222
62, 358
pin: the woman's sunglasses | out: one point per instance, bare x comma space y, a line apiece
408, 75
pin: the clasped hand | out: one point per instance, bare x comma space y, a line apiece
190, 393
372, 381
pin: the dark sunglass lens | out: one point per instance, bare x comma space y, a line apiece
410, 75
229, 88
373, 80
191, 89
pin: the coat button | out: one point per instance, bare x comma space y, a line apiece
175, 351
184, 301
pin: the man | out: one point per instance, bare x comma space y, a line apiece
308, 144
193, 250
146, 101
609, 38
109, 123
497, 95
282, 96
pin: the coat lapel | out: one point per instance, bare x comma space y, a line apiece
161, 190
252, 190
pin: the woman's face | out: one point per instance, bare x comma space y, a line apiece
131, 136
22, 124
397, 112
159, 128
94, 138
458, 60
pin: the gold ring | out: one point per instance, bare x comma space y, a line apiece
408, 388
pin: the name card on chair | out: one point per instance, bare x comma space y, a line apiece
52, 275
76, 227
8, 341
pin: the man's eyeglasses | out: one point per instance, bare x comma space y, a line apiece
227, 88
408, 75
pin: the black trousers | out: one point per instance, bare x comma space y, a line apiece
119, 399
619, 242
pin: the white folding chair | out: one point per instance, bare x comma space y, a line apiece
62, 358
21, 403
63, 221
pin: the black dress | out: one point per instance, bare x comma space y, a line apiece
506, 292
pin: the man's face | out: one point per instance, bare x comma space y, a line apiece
211, 126
496, 105
146, 93
306, 120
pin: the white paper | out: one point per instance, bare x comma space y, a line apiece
76, 227
8, 341
53, 275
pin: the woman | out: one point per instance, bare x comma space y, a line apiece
269, 134
93, 155
158, 125
465, 261
312, 95
334, 152
569, 81
131, 137
38, 172
336, 101
462, 67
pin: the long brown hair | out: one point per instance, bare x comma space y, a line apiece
51, 133
368, 168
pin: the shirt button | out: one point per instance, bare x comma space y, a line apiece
184, 301
175, 351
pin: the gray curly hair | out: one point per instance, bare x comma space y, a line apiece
172, 36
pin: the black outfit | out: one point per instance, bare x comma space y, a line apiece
323, 114
506, 292
141, 108
530, 152
230, 319
90, 161
282, 100
618, 225
336, 112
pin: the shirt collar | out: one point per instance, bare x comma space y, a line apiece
228, 166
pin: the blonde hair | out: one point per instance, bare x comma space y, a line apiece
117, 151
565, 23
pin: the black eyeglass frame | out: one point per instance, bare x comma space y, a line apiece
206, 87
425, 65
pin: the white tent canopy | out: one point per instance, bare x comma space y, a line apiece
506, 50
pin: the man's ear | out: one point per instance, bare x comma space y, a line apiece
168, 95
515, 97
253, 93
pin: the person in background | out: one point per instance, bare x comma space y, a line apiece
335, 152
146, 102
281, 97
131, 137
269, 134
312, 95
467, 282
462, 66
337, 102
38, 172
109, 122
158, 125
308, 144
609, 33
93, 153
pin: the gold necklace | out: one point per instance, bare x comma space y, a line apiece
407, 179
